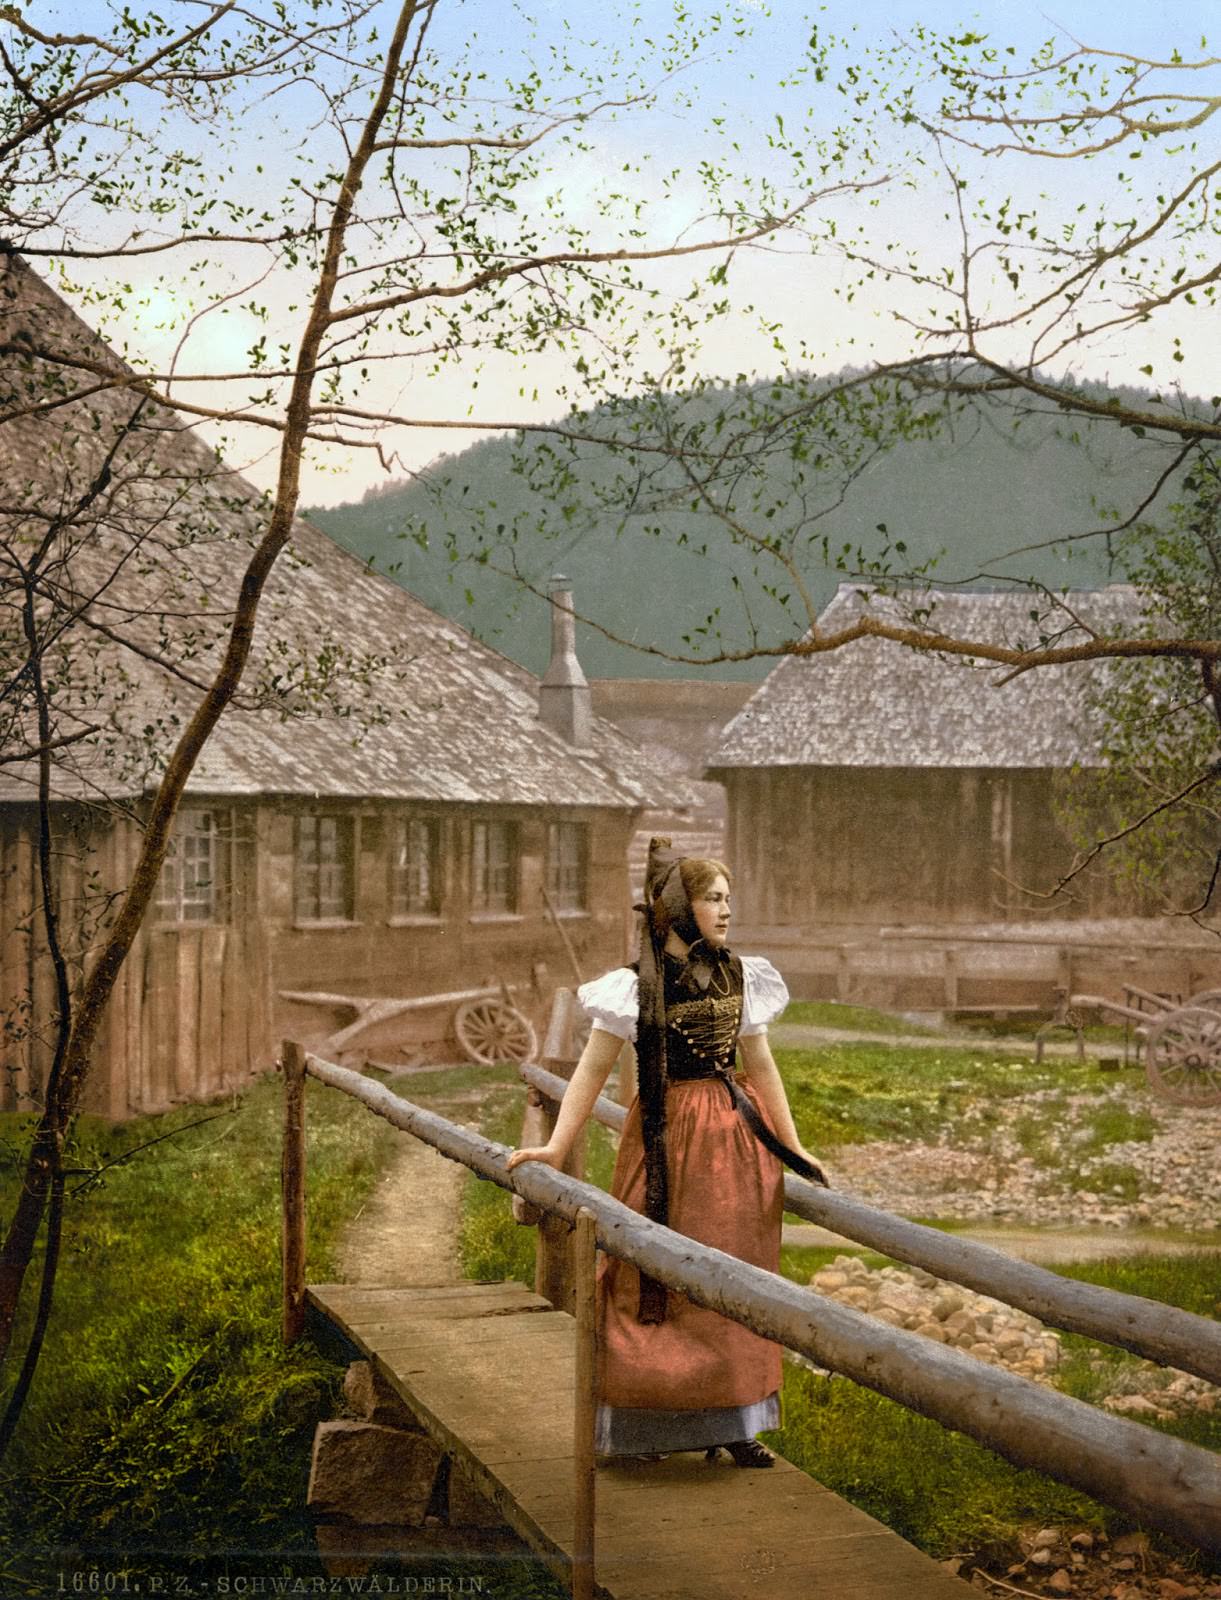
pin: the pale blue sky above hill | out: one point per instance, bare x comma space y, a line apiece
822, 328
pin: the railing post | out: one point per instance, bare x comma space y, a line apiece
553, 1259
585, 1241
292, 1190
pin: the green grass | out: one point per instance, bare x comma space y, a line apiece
942, 1490
936, 1487
169, 1431
491, 1244
833, 1014
851, 1093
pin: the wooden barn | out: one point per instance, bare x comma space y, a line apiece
389, 809
888, 811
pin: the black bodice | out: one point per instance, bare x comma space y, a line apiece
701, 1025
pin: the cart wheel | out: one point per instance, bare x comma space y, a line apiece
1183, 1056
1209, 999
491, 1032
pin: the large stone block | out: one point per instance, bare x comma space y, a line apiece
347, 1549
372, 1474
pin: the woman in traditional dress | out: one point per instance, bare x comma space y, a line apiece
701, 1150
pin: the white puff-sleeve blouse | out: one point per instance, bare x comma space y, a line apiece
611, 1000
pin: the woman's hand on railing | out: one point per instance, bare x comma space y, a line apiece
546, 1153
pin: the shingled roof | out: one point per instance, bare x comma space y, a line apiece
393, 700
874, 703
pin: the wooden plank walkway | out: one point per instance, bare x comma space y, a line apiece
488, 1370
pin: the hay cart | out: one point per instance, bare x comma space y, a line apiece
486, 1023
1180, 1040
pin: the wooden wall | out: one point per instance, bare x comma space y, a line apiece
459, 948
812, 846
196, 1011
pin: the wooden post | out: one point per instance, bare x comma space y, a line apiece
292, 1190
553, 1258
585, 1407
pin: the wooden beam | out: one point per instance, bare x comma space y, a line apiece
1158, 1332
1163, 1482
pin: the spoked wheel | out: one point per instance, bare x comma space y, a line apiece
492, 1032
1183, 1056
1209, 999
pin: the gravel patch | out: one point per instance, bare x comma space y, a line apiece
979, 1170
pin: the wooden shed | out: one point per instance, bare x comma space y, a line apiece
379, 813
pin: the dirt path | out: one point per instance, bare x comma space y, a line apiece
1045, 1246
800, 1035
407, 1231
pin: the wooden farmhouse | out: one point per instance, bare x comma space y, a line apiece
385, 811
889, 814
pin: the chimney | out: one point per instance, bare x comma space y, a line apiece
564, 703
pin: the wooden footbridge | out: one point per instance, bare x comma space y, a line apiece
502, 1378
488, 1370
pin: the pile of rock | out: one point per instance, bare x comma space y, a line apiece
1156, 1394
912, 1299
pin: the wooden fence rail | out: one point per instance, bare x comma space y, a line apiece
1164, 1482
1148, 1328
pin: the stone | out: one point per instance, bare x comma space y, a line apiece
1131, 1544
369, 1397
946, 1304
931, 1330
1083, 1540
1040, 1557
959, 1322
1172, 1589
1046, 1538
1132, 1405
371, 1474
348, 1549
828, 1280
468, 1507
1061, 1581
1010, 1339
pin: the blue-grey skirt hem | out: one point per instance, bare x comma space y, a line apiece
633, 1431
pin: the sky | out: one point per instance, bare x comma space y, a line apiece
740, 86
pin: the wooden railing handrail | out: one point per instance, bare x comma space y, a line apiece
1148, 1328
1163, 1481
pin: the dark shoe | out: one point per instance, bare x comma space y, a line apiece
744, 1453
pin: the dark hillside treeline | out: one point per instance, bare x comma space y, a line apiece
651, 566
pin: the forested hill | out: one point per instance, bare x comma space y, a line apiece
976, 492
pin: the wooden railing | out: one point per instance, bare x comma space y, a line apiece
1164, 1482
1146, 1327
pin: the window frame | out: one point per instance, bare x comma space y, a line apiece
484, 903
308, 909
404, 904
568, 900
170, 898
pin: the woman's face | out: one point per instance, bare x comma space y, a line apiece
711, 910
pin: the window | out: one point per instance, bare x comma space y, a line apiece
194, 881
494, 866
415, 877
568, 865
322, 869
